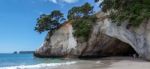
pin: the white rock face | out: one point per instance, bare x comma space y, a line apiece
59, 44
138, 38
63, 43
63, 38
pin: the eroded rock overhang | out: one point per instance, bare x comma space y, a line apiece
138, 38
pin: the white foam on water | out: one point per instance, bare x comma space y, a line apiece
38, 66
98, 62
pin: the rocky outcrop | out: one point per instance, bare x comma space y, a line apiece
107, 39
58, 44
62, 43
101, 45
138, 38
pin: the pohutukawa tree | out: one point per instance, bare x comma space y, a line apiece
135, 11
80, 11
82, 18
49, 22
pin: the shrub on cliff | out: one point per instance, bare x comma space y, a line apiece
82, 18
135, 11
49, 22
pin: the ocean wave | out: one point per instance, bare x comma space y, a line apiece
39, 66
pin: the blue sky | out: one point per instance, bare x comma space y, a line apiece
18, 18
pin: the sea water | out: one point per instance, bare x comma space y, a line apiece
28, 61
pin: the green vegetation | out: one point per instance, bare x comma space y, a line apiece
49, 22
82, 18
135, 11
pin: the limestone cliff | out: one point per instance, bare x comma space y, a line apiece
107, 39
102, 42
58, 44
138, 38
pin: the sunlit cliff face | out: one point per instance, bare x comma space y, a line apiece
63, 44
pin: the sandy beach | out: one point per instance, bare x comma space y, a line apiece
108, 63
102, 63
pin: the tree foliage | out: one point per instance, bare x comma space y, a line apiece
80, 11
49, 22
135, 11
82, 18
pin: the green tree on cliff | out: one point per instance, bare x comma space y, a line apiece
49, 22
135, 11
82, 18
80, 11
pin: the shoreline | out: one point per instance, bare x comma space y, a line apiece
100, 63
110, 63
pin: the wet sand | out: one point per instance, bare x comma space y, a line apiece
108, 63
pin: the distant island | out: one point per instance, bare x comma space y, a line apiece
23, 52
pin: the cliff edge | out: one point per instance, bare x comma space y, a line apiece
106, 39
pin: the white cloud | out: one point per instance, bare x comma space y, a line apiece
54, 1
66, 1
100, 1
70, 1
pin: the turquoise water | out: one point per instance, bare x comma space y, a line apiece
7, 60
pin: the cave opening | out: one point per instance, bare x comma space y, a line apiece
123, 49
116, 49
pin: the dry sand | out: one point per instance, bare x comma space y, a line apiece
108, 63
